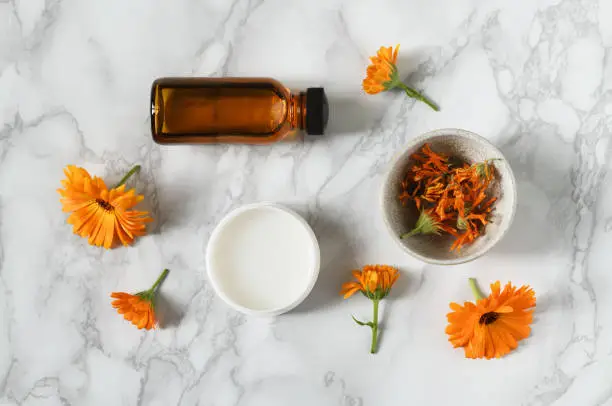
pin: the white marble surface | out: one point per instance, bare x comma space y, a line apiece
533, 76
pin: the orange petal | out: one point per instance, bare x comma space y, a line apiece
95, 236
395, 52
142, 322
109, 230
350, 288
151, 321
504, 309
501, 345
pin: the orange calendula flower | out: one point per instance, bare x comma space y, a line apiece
382, 75
139, 308
375, 282
102, 215
493, 326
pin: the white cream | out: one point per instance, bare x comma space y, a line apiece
263, 259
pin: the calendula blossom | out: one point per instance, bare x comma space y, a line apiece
374, 282
493, 326
139, 308
103, 216
382, 75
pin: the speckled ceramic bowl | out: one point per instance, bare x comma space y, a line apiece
470, 148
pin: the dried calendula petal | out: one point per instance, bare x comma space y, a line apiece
484, 170
452, 196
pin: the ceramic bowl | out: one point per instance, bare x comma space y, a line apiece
399, 219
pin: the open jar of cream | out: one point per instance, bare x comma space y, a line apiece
263, 259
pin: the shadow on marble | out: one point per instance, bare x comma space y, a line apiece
531, 230
414, 68
173, 207
337, 260
412, 64
549, 302
169, 313
403, 287
349, 115
521, 238
149, 204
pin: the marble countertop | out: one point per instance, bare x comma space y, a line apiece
533, 76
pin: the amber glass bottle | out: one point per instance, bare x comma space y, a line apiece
233, 110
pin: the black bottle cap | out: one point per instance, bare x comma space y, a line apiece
317, 111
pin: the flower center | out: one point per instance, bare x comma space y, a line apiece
488, 318
104, 204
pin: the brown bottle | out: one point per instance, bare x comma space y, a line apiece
233, 110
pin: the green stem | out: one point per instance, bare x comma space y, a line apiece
416, 95
410, 233
374, 327
158, 281
475, 290
418, 227
132, 171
